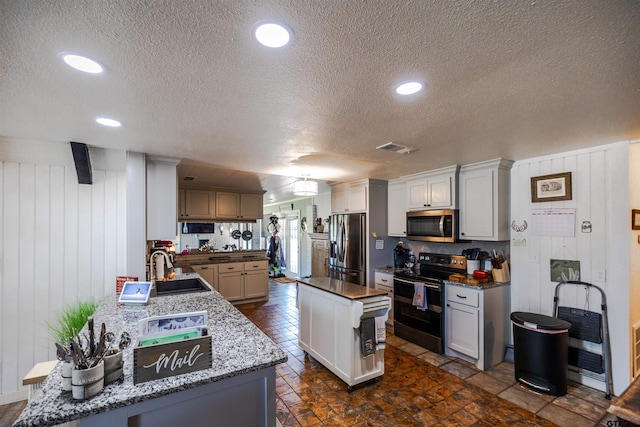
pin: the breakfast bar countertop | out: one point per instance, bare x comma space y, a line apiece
238, 347
341, 288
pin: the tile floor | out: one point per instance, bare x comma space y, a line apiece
419, 388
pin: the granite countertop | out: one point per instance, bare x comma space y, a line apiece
238, 347
221, 257
487, 285
341, 288
391, 269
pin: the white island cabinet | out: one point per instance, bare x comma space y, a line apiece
330, 315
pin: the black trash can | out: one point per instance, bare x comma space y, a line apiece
540, 351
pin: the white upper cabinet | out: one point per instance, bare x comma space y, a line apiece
396, 212
484, 205
161, 191
432, 190
350, 197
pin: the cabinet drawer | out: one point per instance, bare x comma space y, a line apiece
231, 267
464, 296
255, 265
384, 279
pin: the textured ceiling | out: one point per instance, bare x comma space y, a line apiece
512, 79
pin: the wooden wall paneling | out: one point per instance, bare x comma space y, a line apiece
57, 249
97, 235
42, 265
10, 276
71, 257
84, 241
26, 270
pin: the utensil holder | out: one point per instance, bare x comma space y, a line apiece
472, 265
501, 275
86, 383
112, 367
67, 367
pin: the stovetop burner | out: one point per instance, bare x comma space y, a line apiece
435, 266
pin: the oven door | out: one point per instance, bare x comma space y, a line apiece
428, 321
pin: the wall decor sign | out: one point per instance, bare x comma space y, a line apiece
635, 219
551, 188
564, 270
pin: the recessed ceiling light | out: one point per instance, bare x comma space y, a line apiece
82, 63
409, 88
272, 34
108, 122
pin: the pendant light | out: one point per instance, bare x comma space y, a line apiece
305, 188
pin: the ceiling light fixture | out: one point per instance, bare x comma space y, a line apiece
272, 34
305, 188
104, 121
409, 88
82, 63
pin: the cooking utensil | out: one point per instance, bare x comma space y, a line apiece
125, 340
92, 344
236, 234
247, 235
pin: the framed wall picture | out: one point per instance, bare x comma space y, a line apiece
635, 219
551, 188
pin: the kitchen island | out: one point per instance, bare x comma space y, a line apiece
331, 318
238, 389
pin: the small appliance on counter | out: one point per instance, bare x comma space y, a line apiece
401, 255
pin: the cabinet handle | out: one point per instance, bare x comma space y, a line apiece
462, 234
204, 268
254, 266
461, 296
383, 280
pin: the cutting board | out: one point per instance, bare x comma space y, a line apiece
464, 278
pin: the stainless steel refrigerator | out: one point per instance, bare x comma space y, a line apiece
347, 260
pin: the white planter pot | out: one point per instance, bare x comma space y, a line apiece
67, 367
87, 382
112, 367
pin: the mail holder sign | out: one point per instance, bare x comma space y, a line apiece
158, 361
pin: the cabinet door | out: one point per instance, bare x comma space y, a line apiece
227, 205
230, 285
182, 213
339, 198
462, 329
199, 204
209, 272
477, 213
251, 206
357, 198
439, 192
396, 210
319, 258
416, 193
256, 284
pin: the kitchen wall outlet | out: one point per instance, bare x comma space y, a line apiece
379, 244
601, 275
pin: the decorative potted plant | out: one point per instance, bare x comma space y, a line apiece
68, 324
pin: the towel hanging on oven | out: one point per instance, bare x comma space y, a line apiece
420, 296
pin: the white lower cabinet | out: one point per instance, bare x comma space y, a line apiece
477, 324
208, 272
384, 282
239, 281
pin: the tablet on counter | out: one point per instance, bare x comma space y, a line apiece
135, 293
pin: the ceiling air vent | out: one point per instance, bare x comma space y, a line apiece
189, 178
396, 148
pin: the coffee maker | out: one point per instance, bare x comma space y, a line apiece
400, 255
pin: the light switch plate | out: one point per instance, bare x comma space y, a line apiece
379, 244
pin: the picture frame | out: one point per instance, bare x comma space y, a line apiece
635, 219
551, 188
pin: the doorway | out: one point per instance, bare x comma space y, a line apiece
290, 239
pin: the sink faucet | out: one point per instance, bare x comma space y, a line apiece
151, 263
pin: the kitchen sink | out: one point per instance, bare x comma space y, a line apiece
180, 286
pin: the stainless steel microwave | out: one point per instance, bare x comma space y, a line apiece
433, 226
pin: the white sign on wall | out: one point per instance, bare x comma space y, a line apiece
553, 222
